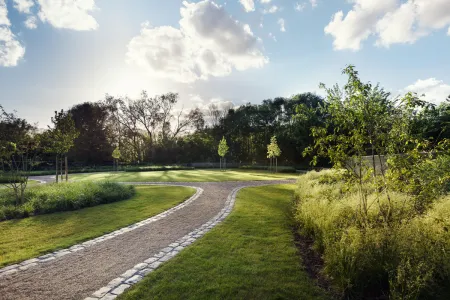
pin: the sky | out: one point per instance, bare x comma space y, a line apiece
57, 53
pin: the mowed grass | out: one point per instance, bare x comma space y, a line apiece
184, 175
27, 238
29, 184
251, 255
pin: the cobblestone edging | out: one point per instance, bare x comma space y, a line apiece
59, 253
118, 285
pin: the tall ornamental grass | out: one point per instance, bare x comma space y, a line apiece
51, 198
406, 259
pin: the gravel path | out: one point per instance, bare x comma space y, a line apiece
79, 274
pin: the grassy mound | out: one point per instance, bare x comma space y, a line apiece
61, 197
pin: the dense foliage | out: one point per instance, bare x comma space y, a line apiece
370, 217
410, 259
61, 197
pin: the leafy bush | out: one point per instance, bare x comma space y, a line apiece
408, 259
8, 179
62, 197
281, 169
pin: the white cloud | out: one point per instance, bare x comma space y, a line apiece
299, 6
209, 43
391, 21
313, 3
23, 6
197, 101
4, 14
397, 26
282, 24
357, 25
249, 5
68, 14
271, 10
265, 1
272, 37
11, 50
436, 91
31, 22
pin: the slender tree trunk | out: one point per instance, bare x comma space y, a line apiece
61, 168
56, 164
276, 164
67, 168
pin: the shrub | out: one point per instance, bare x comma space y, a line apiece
156, 168
4, 179
281, 169
408, 259
62, 197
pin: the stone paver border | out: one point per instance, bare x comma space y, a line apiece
118, 285
59, 253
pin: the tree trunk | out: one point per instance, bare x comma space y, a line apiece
57, 175
67, 169
61, 168
276, 165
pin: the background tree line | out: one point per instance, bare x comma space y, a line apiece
150, 130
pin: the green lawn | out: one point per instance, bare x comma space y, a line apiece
184, 175
31, 237
29, 184
251, 255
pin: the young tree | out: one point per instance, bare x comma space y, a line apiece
273, 151
363, 126
116, 156
18, 151
60, 139
223, 149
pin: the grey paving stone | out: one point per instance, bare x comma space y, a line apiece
134, 279
167, 249
165, 258
145, 271
155, 264
101, 292
140, 266
115, 282
150, 260
29, 261
109, 297
120, 289
25, 267
160, 254
47, 259
129, 273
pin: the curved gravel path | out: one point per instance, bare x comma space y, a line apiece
79, 274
